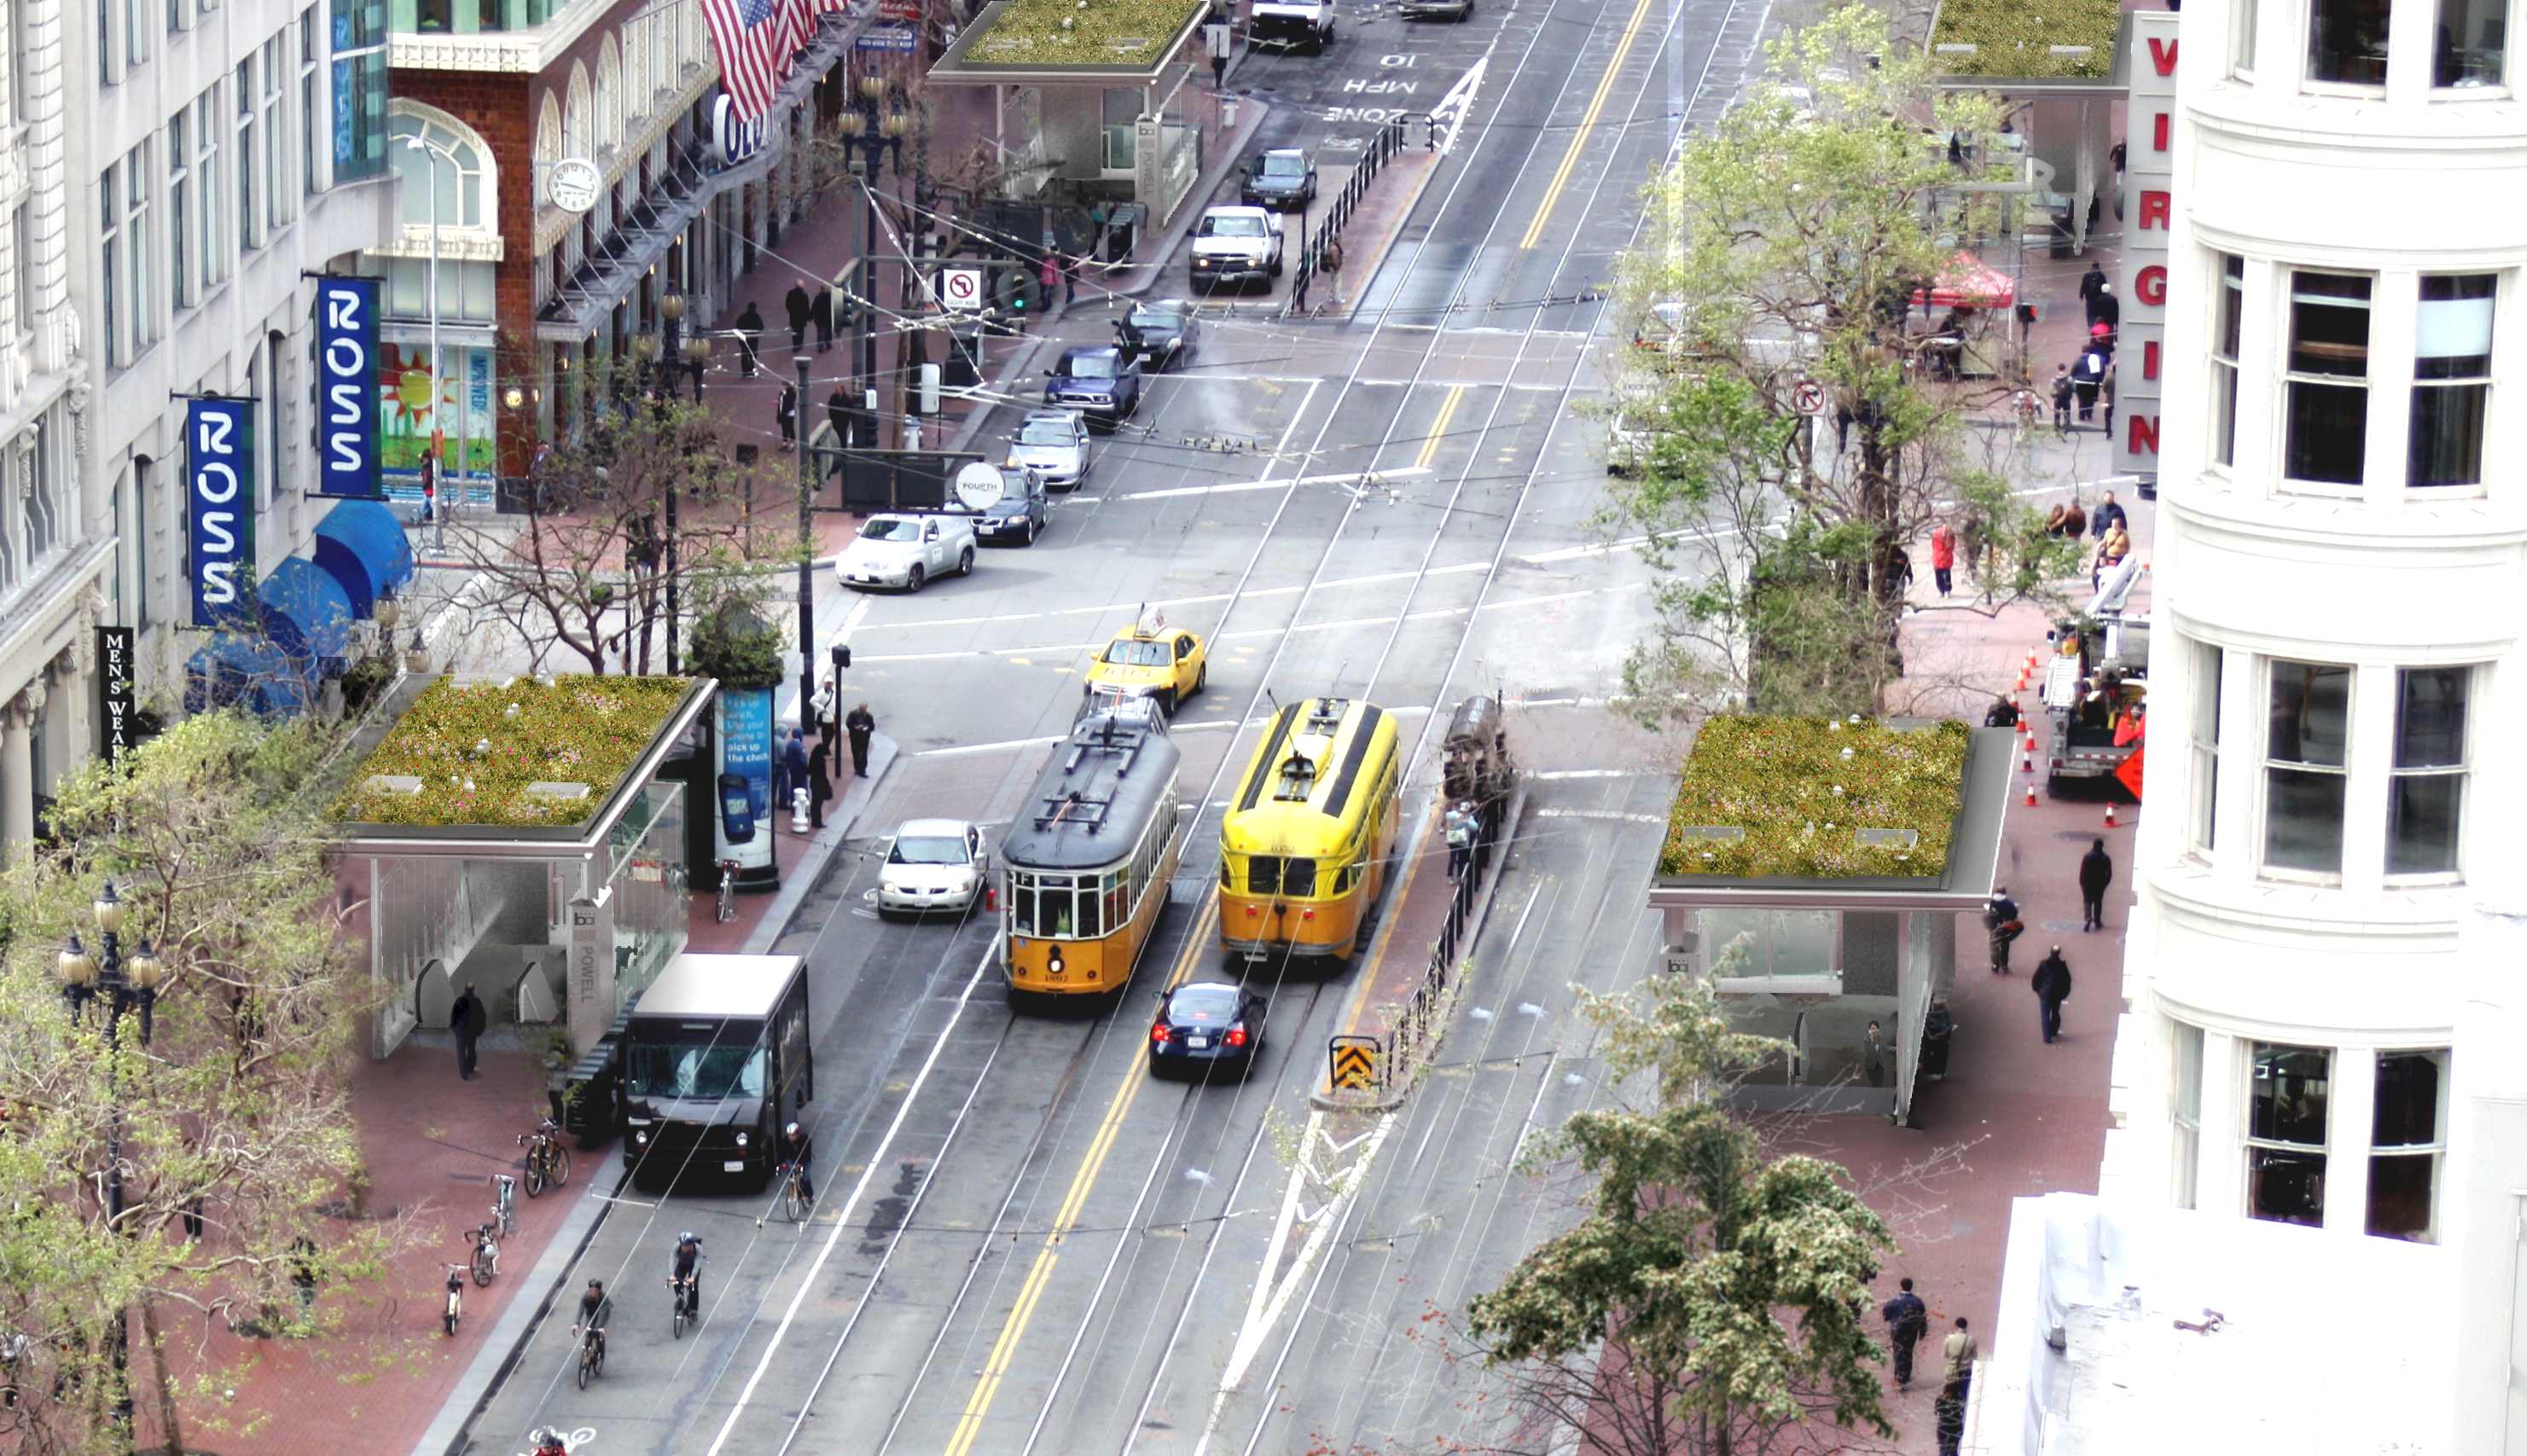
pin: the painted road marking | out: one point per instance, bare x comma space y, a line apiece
1347, 477
1588, 126
1005, 1349
1439, 427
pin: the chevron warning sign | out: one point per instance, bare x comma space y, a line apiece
1355, 1062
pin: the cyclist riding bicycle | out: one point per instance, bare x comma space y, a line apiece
800, 1148
595, 1307
548, 1443
685, 1275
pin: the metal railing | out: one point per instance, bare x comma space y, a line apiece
1383, 146
1359, 1062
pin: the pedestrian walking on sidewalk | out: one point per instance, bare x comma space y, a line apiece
859, 723
1944, 557
2086, 375
800, 305
1908, 1319
2051, 984
2096, 871
1048, 271
2000, 920
2062, 391
466, 1019
1873, 1061
2105, 308
820, 785
2106, 517
822, 309
1958, 1357
2092, 284
794, 767
786, 412
1949, 1414
749, 337
1070, 278
838, 414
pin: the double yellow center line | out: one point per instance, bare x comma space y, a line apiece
1588, 126
978, 1406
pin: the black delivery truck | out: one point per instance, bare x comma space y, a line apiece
715, 1060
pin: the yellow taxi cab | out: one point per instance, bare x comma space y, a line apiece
1150, 659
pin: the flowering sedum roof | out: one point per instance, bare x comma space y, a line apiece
2017, 38
1098, 33
510, 753
1820, 797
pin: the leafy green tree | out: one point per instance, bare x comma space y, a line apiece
231, 1124
1712, 1297
1783, 250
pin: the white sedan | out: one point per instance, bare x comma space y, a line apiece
1054, 443
934, 864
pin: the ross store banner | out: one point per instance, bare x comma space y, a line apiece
218, 479
347, 390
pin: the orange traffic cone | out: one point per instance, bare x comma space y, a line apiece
2110, 814
2026, 761
2030, 793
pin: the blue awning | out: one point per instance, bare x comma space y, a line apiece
246, 672
363, 545
307, 616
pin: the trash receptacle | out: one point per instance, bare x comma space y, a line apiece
1124, 224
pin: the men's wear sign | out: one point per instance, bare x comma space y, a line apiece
346, 389
218, 476
121, 728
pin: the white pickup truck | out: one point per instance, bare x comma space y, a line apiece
905, 551
1291, 24
1237, 245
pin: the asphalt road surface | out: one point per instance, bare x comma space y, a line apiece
1022, 1243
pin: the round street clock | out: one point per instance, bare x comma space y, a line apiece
574, 185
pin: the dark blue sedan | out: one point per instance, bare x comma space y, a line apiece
1207, 1028
1102, 383
1017, 518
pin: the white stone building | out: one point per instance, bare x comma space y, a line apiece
56, 541
211, 155
2322, 970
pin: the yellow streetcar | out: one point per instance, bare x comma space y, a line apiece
1089, 858
1303, 852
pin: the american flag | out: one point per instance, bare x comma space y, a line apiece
755, 39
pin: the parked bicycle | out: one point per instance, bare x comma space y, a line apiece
504, 1204
487, 1254
455, 1309
726, 890
548, 1161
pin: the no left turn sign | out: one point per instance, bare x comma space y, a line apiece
1807, 396
960, 287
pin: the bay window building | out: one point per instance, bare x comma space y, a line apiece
2327, 968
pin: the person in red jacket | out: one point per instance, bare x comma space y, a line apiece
1943, 556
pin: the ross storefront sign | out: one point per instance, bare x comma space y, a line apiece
2149, 212
900, 12
117, 724
746, 753
218, 476
900, 38
347, 390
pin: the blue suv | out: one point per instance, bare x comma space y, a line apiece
1102, 383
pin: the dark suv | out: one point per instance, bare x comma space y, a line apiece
1102, 383
1283, 179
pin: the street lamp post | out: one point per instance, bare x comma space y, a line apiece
123, 986
875, 132
435, 472
807, 556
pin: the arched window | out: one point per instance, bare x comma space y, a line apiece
577, 140
609, 96
638, 95
454, 167
547, 134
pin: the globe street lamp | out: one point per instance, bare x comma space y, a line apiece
123, 985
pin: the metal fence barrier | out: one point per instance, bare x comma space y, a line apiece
1382, 148
1372, 1064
